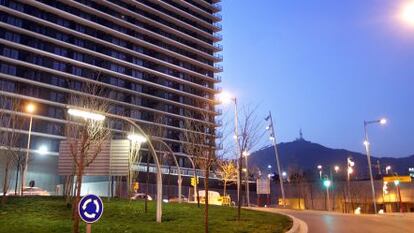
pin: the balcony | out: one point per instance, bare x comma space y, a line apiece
217, 6
218, 46
217, 78
218, 16
219, 123
218, 67
219, 57
218, 26
218, 36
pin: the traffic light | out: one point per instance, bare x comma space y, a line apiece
193, 181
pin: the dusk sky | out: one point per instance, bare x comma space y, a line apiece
324, 66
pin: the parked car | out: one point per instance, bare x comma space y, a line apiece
141, 196
175, 199
32, 191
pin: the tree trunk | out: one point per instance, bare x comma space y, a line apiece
6, 183
17, 177
75, 214
225, 187
206, 201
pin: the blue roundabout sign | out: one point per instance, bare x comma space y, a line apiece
90, 208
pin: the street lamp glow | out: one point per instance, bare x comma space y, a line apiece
30, 108
350, 170
366, 143
407, 13
246, 153
284, 174
269, 166
86, 114
387, 169
244, 170
319, 167
272, 138
327, 183
42, 150
225, 97
336, 169
396, 182
136, 138
383, 121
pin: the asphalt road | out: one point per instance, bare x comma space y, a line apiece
325, 222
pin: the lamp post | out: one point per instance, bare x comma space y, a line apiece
88, 114
350, 170
320, 171
30, 108
225, 97
245, 155
387, 169
382, 121
272, 138
327, 183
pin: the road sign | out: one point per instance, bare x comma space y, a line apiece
90, 208
263, 186
401, 179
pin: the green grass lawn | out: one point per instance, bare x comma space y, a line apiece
50, 214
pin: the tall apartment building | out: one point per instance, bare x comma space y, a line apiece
156, 57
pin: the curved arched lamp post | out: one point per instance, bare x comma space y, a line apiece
86, 113
179, 181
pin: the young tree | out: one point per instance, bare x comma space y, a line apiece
250, 133
86, 137
227, 170
10, 137
199, 137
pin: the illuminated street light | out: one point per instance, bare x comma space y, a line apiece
327, 183
407, 13
30, 108
269, 166
137, 138
244, 170
319, 167
387, 169
86, 115
245, 153
320, 171
336, 168
381, 121
284, 174
42, 150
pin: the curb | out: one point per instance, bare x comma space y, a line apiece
298, 225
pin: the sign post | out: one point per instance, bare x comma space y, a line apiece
90, 210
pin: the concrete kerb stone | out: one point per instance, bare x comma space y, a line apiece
298, 226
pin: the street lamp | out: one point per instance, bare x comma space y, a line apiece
336, 168
327, 183
42, 150
272, 138
382, 121
407, 13
136, 138
226, 97
30, 108
245, 155
387, 169
320, 171
86, 114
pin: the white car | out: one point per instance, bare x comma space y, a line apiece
141, 196
31, 191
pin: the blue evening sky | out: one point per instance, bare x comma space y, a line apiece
324, 66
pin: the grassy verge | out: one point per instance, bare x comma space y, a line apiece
50, 214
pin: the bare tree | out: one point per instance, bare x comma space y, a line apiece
86, 137
10, 126
199, 137
250, 134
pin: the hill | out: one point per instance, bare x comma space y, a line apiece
306, 156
